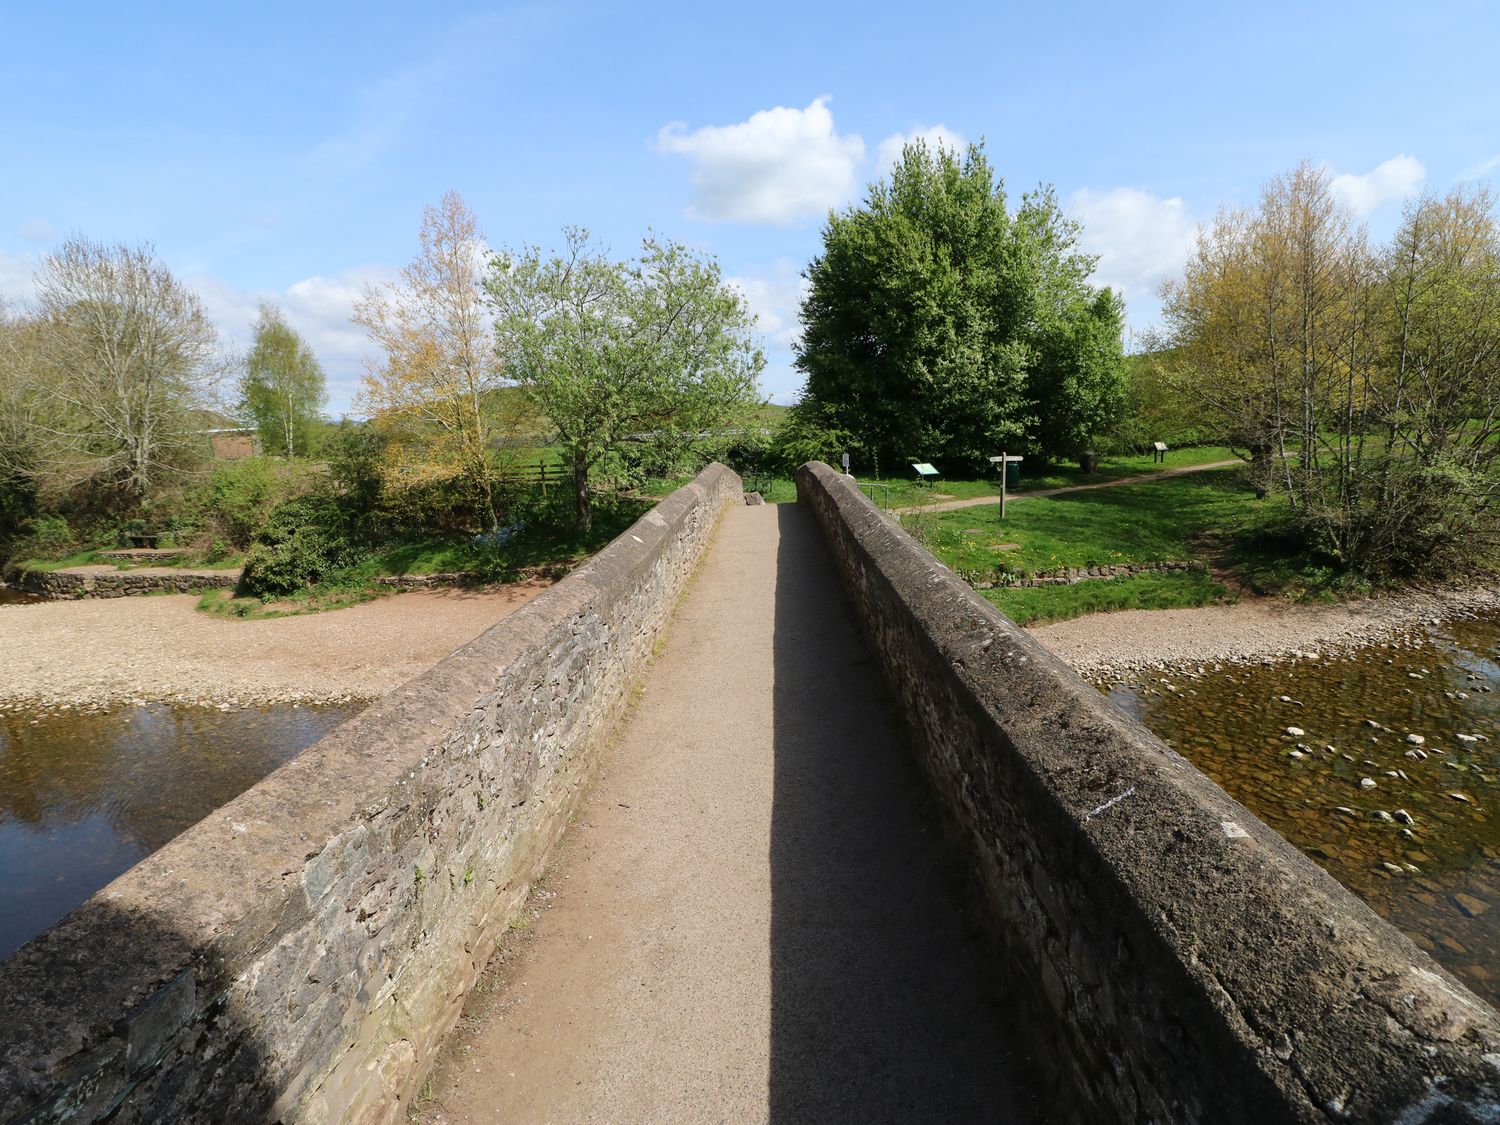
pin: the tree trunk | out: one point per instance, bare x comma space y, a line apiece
581, 495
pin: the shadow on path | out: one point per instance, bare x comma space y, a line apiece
881, 1006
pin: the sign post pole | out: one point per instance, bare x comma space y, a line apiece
1004, 464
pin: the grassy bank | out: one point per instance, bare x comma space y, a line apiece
902, 490
552, 547
1178, 519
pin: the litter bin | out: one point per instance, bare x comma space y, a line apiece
1012, 475
1088, 461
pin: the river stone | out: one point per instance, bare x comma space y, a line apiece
1415, 739
1471, 906
1295, 732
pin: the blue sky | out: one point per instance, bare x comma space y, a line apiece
285, 152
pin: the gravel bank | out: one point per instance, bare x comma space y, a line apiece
1116, 644
92, 653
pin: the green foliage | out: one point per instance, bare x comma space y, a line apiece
355, 457
1361, 378
812, 432
1036, 605
18, 507
612, 351
45, 537
282, 386
941, 326
1155, 410
304, 541
435, 505
242, 494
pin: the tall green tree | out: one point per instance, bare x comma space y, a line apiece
939, 324
655, 349
282, 386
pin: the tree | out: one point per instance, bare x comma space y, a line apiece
657, 349
124, 364
440, 369
282, 386
18, 446
940, 325
1362, 381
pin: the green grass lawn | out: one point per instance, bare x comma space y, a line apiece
1154, 521
906, 492
1176, 519
189, 559
1174, 590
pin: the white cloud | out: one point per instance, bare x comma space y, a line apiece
781, 166
1480, 170
318, 308
1398, 178
888, 152
16, 271
776, 300
1141, 239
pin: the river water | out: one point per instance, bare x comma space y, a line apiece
84, 796
1412, 828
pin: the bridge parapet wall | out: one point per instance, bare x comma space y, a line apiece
299, 954
1193, 965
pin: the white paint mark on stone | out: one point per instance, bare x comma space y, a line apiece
1109, 804
1233, 830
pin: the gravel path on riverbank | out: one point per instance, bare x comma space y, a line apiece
95, 652
1118, 644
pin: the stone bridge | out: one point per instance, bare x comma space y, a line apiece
846, 845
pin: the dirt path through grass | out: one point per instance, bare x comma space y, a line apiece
979, 501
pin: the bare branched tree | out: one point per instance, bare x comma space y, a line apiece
439, 366
124, 365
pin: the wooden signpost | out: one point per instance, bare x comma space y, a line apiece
1003, 461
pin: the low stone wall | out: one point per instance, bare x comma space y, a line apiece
299, 954
1193, 966
70, 585
1072, 575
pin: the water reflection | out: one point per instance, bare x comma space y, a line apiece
1410, 826
83, 796
9, 596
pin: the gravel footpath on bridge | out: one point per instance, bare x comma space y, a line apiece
96, 652
751, 919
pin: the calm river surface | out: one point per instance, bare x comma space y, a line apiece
1413, 829
83, 796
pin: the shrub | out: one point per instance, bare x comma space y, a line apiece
244, 493
303, 542
432, 505
46, 537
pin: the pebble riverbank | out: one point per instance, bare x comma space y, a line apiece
1112, 645
89, 655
